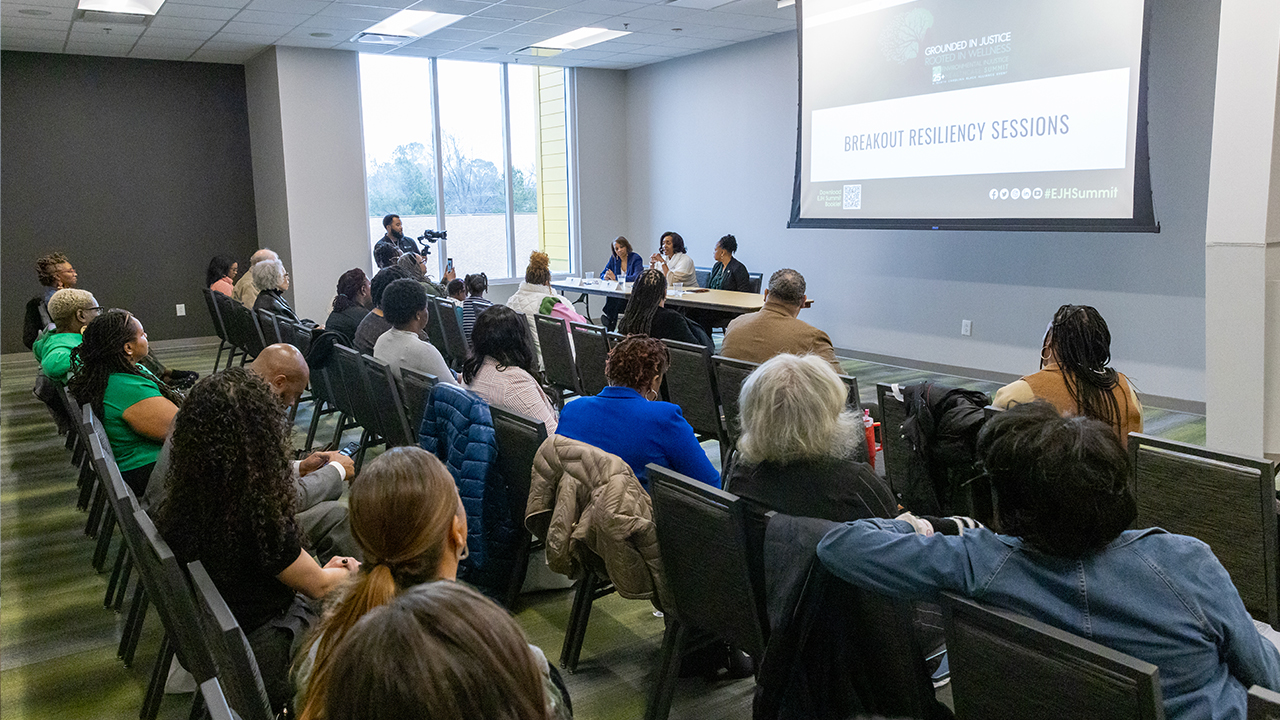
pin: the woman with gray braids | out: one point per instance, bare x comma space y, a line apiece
1075, 376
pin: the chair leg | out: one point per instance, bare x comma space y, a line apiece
91, 525
105, 533
197, 707
87, 485
518, 572
576, 633
664, 686
117, 572
159, 673
317, 411
337, 431
133, 626
123, 588
222, 344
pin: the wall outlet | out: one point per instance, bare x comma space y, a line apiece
966, 328
182, 310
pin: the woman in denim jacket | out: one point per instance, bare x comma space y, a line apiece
1065, 558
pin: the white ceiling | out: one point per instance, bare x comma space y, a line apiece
232, 31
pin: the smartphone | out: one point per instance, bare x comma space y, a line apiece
448, 265
350, 449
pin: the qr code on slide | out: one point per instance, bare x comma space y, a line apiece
852, 197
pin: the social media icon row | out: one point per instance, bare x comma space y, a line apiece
1015, 194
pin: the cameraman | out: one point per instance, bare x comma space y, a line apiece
395, 237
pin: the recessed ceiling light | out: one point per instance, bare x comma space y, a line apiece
677, 29
129, 7
413, 23
34, 12
580, 38
489, 48
321, 35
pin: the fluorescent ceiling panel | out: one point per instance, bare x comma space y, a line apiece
580, 38
131, 7
414, 23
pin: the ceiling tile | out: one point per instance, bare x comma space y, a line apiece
248, 28
45, 46
32, 34
98, 35
35, 23
434, 44
454, 7
485, 24
511, 12
177, 34
453, 34
766, 8
607, 7
237, 4
664, 12
310, 42
204, 12
187, 23
575, 19
355, 12
300, 7
96, 49
227, 39
258, 17
234, 58
396, 4
157, 53
14, 10
333, 24
169, 43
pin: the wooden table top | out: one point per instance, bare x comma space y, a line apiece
726, 300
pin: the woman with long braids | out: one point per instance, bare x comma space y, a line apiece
136, 408
231, 504
409, 521
1074, 374
647, 313
350, 305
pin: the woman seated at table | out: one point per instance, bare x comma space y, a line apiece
231, 503
1074, 374
674, 262
622, 257
1065, 558
727, 274
500, 368
802, 450
628, 420
135, 407
271, 279
350, 305
647, 313
221, 274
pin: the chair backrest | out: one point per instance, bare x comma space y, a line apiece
730, 375
215, 702
417, 386
268, 324
352, 387
591, 346
614, 338
167, 588
92, 425
385, 395
756, 280
1263, 704
1225, 500
455, 338
853, 400
1005, 666
232, 656
703, 275
519, 438
435, 333
212, 305
690, 384
703, 542
242, 326
557, 352
989, 412
295, 334
893, 412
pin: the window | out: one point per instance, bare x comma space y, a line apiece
501, 190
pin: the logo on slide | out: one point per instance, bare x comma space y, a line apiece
994, 194
937, 73
1037, 193
853, 197
1015, 193
902, 36
1004, 193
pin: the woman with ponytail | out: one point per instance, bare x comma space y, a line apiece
1074, 374
529, 296
350, 305
136, 408
408, 520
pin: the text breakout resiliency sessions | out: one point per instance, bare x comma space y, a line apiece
993, 114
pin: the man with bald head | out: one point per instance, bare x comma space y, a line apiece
318, 478
245, 292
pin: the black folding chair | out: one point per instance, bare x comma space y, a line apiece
1225, 500
242, 328
356, 390
893, 412
591, 346
703, 541
1263, 704
557, 356
226, 307
216, 702
218, 327
730, 375
232, 657
1008, 667
417, 388
385, 394
267, 323
519, 437
325, 394
455, 338
690, 384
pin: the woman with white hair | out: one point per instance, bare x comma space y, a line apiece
271, 279
802, 450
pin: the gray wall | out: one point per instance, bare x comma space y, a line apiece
711, 150
138, 169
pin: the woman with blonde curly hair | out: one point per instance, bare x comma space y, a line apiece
529, 296
231, 504
628, 420
802, 450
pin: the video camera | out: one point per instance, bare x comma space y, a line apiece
431, 236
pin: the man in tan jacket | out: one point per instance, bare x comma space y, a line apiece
774, 330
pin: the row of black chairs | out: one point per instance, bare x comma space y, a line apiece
199, 628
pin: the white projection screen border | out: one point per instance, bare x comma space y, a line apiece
1022, 115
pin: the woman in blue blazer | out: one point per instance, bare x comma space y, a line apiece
622, 255
627, 420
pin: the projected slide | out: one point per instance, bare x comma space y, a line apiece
991, 113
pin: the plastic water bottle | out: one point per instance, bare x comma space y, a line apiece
869, 427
